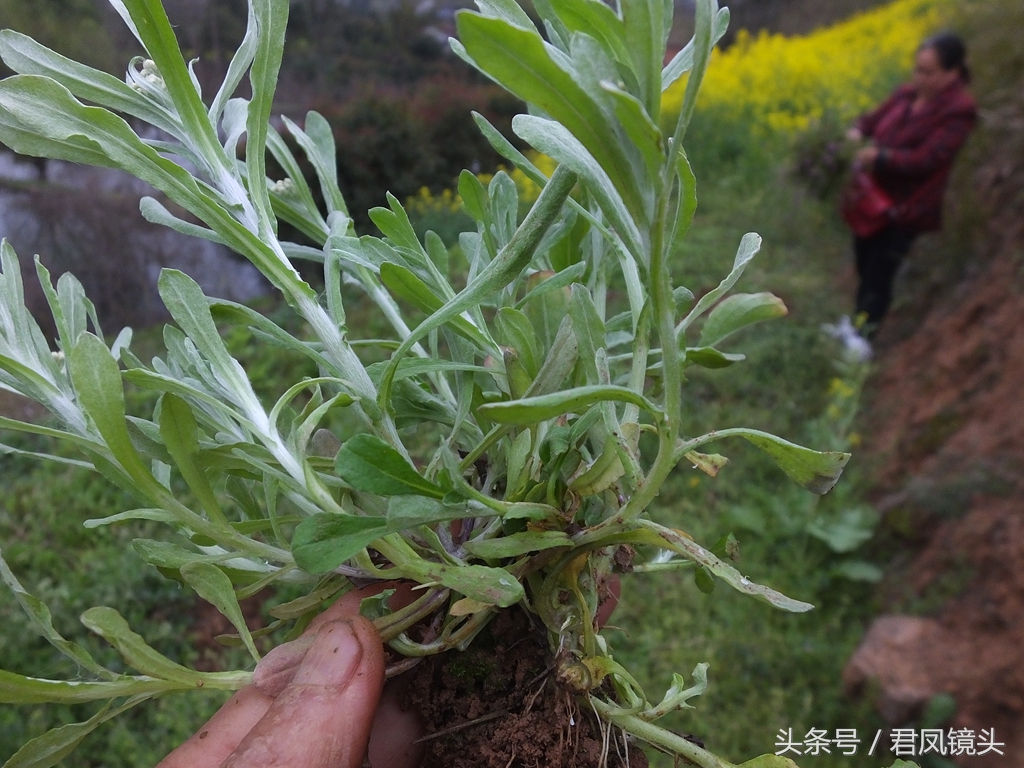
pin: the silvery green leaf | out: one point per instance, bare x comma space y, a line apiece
684, 545
553, 139
517, 544
474, 197
159, 515
682, 62
750, 244
323, 542
39, 117
410, 511
211, 584
738, 311
369, 464
505, 268
240, 63
17, 689
56, 744
523, 64
686, 205
155, 212
533, 410
41, 620
180, 434
317, 142
703, 35
504, 203
494, 586
597, 20
111, 626
97, 381
588, 328
542, 283
158, 38
27, 57
646, 33
817, 471
517, 473
507, 10
709, 357
515, 330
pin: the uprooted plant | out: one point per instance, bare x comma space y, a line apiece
514, 440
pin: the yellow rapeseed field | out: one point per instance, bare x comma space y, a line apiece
781, 84
784, 83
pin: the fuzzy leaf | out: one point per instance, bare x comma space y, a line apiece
180, 432
56, 744
323, 542
409, 511
682, 62
709, 357
494, 586
750, 244
17, 689
531, 410
518, 59
369, 464
97, 381
817, 471
111, 626
211, 584
738, 311
517, 544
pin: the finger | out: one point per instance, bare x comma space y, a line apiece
221, 734
348, 604
276, 669
323, 718
395, 731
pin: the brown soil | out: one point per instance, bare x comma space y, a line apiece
946, 434
497, 705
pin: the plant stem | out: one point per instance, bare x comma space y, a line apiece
659, 737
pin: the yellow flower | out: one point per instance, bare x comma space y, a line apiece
782, 84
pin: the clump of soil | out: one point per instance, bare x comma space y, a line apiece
497, 705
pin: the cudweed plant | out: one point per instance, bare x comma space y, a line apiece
554, 378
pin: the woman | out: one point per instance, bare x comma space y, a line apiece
915, 135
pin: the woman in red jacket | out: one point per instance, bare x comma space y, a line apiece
915, 135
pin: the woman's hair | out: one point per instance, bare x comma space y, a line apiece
952, 52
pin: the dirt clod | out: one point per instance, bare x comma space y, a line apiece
497, 705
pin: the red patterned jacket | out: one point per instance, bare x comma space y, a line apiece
917, 150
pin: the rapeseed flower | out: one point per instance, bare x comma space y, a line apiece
783, 84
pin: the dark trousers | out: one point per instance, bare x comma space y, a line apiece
878, 259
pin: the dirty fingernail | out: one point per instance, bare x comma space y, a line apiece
333, 658
276, 670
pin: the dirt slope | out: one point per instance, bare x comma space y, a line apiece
946, 427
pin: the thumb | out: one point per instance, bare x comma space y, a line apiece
322, 718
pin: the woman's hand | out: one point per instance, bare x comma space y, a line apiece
854, 134
316, 702
866, 157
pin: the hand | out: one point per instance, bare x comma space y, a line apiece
866, 157
854, 134
317, 702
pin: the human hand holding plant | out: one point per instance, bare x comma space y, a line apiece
315, 702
